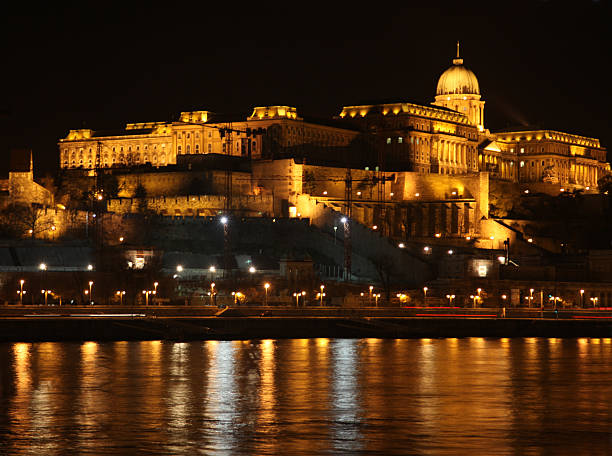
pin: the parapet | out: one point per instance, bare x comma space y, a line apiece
274, 112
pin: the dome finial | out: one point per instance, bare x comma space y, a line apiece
458, 60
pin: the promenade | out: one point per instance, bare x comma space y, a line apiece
39, 323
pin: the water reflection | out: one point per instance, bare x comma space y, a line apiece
308, 396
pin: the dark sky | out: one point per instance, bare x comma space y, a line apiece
539, 63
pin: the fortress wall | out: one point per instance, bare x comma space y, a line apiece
200, 205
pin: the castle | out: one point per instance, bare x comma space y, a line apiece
408, 170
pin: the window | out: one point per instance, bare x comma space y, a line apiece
188, 136
188, 148
522, 150
400, 140
179, 149
522, 163
197, 149
388, 140
179, 136
209, 148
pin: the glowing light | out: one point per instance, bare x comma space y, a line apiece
224, 220
344, 220
438, 235
401, 245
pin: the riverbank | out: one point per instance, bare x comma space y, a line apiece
146, 327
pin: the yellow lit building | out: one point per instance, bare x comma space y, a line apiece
195, 133
447, 138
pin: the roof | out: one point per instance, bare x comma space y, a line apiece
122, 132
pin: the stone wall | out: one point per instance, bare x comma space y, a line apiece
198, 205
183, 182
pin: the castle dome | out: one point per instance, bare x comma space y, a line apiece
458, 80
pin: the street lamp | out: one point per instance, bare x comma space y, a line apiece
212, 294
45, 292
473, 298
335, 231
531, 290
90, 293
179, 268
90, 267
147, 293
252, 270
371, 288
120, 293
155, 284
581, 298
297, 299
21, 282
594, 301
376, 297
450, 299
322, 287
425, 295
266, 288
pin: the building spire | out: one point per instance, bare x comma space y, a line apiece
458, 60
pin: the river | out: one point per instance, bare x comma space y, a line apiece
308, 396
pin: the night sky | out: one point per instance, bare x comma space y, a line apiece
101, 65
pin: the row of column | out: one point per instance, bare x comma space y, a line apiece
452, 154
446, 219
585, 175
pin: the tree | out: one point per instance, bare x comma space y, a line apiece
18, 220
386, 269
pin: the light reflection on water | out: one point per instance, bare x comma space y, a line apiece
308, 396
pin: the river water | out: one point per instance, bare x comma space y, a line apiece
308, 396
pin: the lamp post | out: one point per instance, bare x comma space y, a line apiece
335, 231
473, 298
322, 287
531, 296
425, 295
266, 288
297, 298
147, 293
371, 288
594, 301
120, 293
212, 294
155, 284
376, 297
90, 293
45, 292
581, 298
21, 282
450, 299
